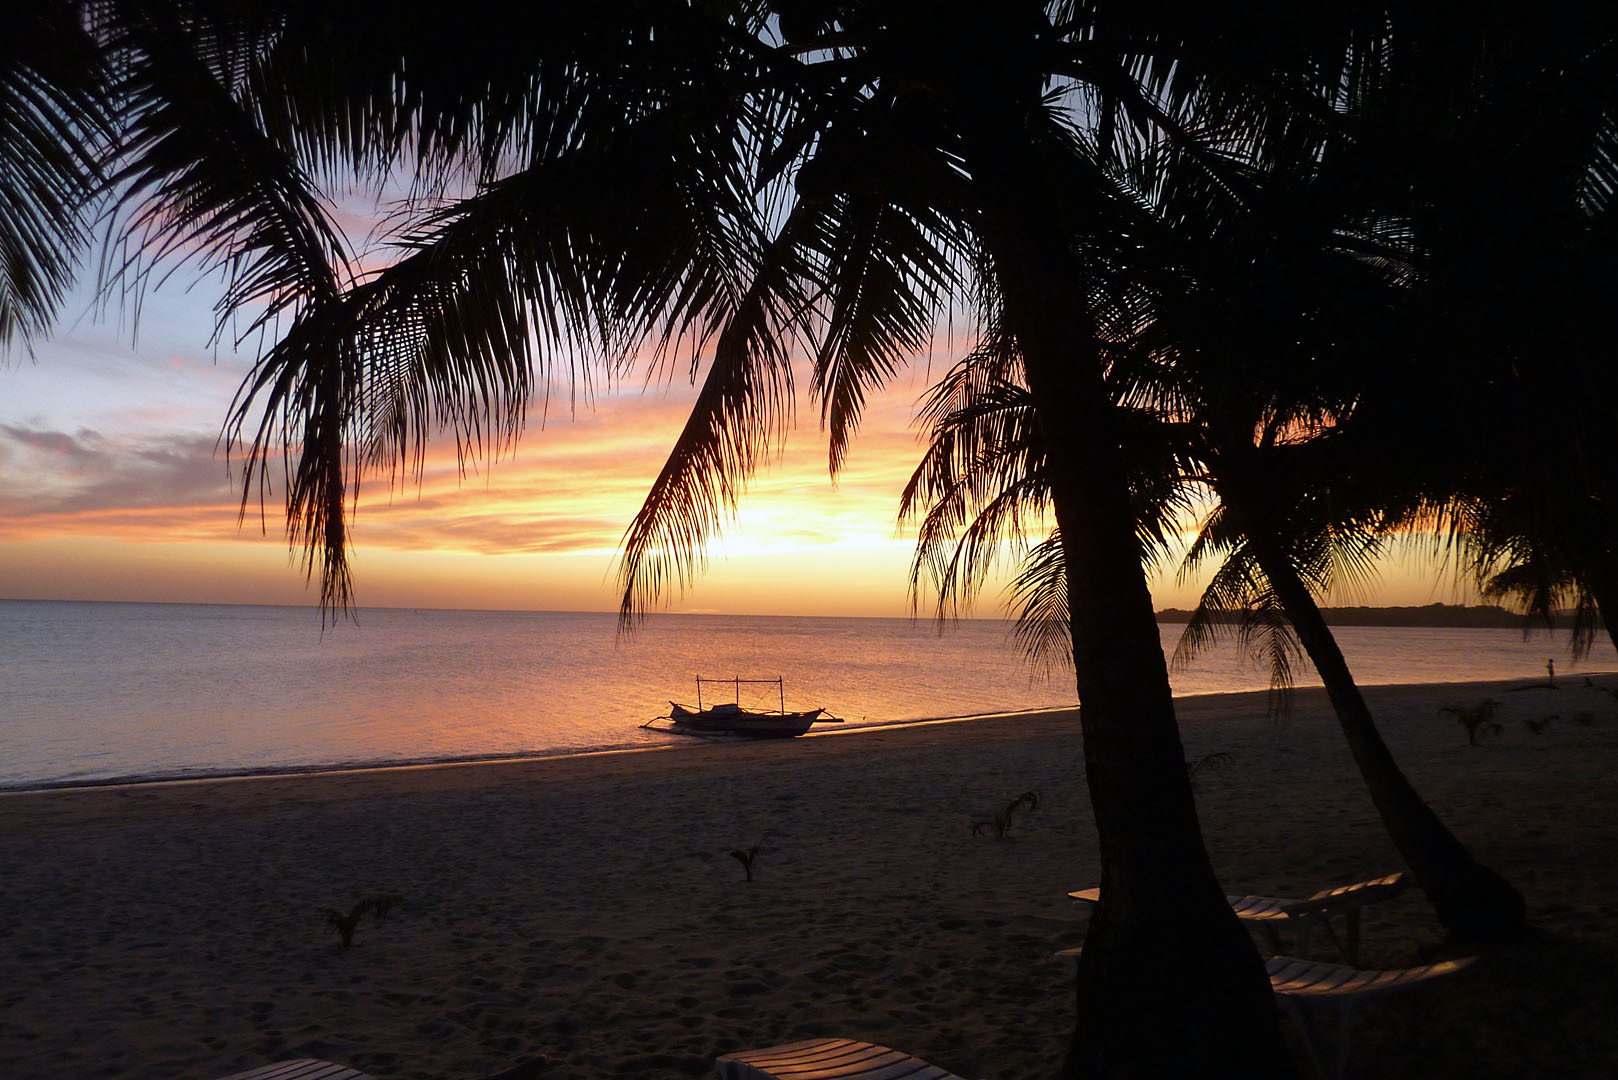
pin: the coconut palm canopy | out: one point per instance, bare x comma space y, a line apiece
535, 240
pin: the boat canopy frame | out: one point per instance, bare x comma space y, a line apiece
738, 683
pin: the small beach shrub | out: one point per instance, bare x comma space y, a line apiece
1475, 718
747, 858
999, 826
1208, 761
375, 906
1539, 725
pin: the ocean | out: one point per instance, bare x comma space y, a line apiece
93, 692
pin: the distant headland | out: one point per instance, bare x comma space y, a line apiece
1426, 615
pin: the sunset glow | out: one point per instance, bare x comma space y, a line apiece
113, 487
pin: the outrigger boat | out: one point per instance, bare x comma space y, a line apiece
730, 718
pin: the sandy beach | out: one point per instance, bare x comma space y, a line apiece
587, 911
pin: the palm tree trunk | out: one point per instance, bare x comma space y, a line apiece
1169, 984
1164, 951
1472, 901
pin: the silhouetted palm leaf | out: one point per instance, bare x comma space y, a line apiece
54, 123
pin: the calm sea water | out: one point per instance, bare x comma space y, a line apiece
95, 691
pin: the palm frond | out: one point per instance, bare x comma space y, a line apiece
744, 405
1238, 599
583, 254
1233, 586
54, 126
888, 273
1266, 635
1039, 597
198, 181
980, 484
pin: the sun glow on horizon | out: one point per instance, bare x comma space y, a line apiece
101, 497
113, 486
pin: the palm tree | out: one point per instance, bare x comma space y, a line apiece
1432, 254
1280, 440
1529, 516
1256, 320
1281, 548
995, 157
981, 486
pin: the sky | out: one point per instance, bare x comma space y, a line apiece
113, 486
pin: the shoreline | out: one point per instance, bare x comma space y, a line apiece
341, 768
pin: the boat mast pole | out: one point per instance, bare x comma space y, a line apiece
780, 688
699, 693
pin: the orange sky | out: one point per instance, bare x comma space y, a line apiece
148, 512
112, 488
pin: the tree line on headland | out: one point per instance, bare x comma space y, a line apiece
1459, 615
1311, 276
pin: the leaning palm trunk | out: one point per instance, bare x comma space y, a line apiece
1472, 901
1164, 952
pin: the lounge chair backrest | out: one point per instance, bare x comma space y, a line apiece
300, 1069
1345, 897
827, 1059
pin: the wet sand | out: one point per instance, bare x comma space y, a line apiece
587, 910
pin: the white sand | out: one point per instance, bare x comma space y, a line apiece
586, 910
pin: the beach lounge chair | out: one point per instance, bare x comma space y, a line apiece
827, 1059
301, 1069
1296, 982
1267, 914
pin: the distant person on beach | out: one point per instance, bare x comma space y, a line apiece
1550, 671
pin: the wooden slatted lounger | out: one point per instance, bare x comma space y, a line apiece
1298, 981
301, 1069
827, 1059
1267, 913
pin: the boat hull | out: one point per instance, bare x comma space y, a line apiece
729, 720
